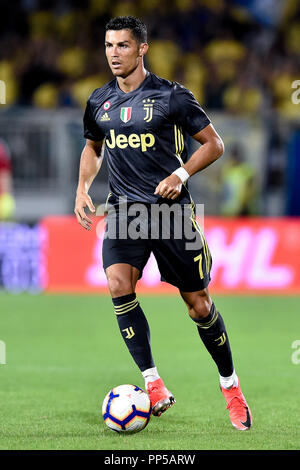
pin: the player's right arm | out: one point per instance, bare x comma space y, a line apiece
90, 163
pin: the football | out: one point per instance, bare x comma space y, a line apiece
126, 409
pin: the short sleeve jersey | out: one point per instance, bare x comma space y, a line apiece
145, 134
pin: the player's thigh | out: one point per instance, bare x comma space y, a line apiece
184, 264
122, 279
123, 262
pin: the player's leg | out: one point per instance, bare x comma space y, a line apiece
187, 266
123, 261
134, 328
122, 279
213, 333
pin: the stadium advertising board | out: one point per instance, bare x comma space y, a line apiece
256, 255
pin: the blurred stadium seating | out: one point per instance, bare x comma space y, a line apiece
239, 58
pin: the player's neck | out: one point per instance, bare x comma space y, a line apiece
133, 81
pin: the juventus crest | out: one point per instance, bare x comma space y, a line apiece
148, 108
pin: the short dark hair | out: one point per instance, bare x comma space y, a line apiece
135, 25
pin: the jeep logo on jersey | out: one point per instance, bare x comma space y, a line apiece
135, 141
125, 114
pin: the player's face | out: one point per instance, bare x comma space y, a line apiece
123, 52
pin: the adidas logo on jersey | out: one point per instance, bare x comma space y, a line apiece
105, 117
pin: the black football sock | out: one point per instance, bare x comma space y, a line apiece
214, 336
134, 329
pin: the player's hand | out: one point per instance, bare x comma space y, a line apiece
169, 188
83, 200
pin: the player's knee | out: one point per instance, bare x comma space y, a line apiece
199, 306
119, 286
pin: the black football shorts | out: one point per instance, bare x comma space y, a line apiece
170, 232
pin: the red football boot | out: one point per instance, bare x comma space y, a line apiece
160, 397
239, 411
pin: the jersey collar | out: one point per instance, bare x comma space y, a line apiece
122, 93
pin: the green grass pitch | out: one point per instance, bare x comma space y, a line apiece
64, 353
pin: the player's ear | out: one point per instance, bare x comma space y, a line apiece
143, 49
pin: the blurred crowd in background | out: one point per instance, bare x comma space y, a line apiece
238, 56
52, 51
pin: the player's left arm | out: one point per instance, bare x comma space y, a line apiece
212, 148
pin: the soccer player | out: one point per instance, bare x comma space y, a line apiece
143, 122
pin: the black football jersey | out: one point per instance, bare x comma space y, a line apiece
145, 134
